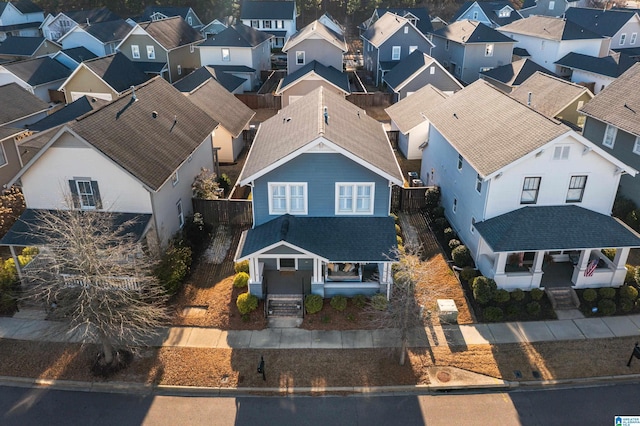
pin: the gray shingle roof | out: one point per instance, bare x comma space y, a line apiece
117, 71
149, 148
466, 31
7, 132
26, 6
237, 36
422, 13
603, 22
16, 103
407, 67
483, 124
611, 66
383, 28
38, 71
490, 8
549, 95
555, 228
407, 113
168, 11
79, 54
376, 237
93, 15
330, 74
222, 106
515, 73
549, 28
267, 9
68, 113
619, 103
302, 122
21, 46
202, 74
316, 29
171, 33
108, 31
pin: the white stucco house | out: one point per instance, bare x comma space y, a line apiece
530, 197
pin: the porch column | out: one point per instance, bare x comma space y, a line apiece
17, 263
621, 257
578, 270
255, 270
537, 269
317, 270
500, 263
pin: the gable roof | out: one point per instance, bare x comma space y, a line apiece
148, 146
168, 11
26, 6
421, 13
202, 74
611, 66
239, 35
329, 74
105, 32
550, 28
38, 71
315, 30
466, 31
78, 54
16, 103
409, 66
385, 27
301, 123
619, 103
117, 71
210, 96
515, 73
22, 46
68, 113
482, 123
490, 9
101, 14
267, 9
549, 95
171, 33
408, 113
603, 22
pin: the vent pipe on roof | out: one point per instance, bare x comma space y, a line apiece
529, 94
326, 115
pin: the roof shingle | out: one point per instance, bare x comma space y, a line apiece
408, 113
171, 33
38, 71
549, 28
16, 103
466, 31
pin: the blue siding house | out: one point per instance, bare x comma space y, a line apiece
321, 173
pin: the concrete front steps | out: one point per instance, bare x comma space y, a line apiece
563, 298
284, 310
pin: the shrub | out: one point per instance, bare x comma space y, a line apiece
492, 314
432, 197
224, 182
501, 296
339, 303
399, 240
607, 292
398, 230
590, 295
536, 294
453, 244
461, 256
437, 213
622, 206
241, 280
468, 273
607, 307
379, 302
173, 268
533, 308
395, 217
633, 219
241, 266
313, 303
449, 234
609, 253
517, 295
205, 185
630, 277
483, 289
359, 300
197, 234
628, 292
246, 303
513, 310
626, 305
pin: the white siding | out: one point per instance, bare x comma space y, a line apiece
212, 55
80, 38
579, 76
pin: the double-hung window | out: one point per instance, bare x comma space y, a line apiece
576, 189
300, 57
530, 190
395, 53
180, 213
226, 54
151, 52
3, 157
488, 49
609, 136
85, 194
636, 146
135, 51
255, 23
266, 24
287, 197
354, 198
478, 183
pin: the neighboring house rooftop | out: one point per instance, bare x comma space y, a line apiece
237, 36
603, 22
619, 103
491, 9
302, 122
25, 6
519, 51
106, 32
613, 65
466, 31
549, 95
168, 11
78, 54
171, 33
408, 113
38, 71
267, 9
330, 74
550, 28
385, 27
420, 13
22, 46
202, 74
563, 227
16, 103
209, 97
7, 132
316, 30
408, 67
117, 71
68, 113
482, 123
515, 73
92, 15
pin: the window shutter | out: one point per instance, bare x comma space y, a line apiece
96, 194
74, 194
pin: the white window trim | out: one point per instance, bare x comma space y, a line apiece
354, 195
257, 23
175, 178
454, 206
634, 37
180, 214
488, 49
287, 195
3, 155
623, 38
300, 54
179, 69
473, 225
614, 133
636, 146
151, 52
135, 51
552, 5
228, 55
80, 193
396, 52
563, 152
192, 48
479, 183
460, 162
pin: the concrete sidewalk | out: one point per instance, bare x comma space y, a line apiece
293, 338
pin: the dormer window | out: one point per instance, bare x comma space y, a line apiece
505, 12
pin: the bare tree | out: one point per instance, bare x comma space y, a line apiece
97, 278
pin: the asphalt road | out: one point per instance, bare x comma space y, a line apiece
561, 406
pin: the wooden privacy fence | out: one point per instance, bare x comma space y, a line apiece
260, 101
224, 211
364, 100
408, 199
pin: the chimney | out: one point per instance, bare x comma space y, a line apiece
326, 115
529, 94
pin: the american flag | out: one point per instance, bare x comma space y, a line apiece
591, 268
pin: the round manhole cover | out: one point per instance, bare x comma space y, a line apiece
443, 376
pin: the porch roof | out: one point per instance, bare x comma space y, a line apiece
565, 227
25, 231
357, 239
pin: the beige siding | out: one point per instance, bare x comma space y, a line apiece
86, 81
570, 113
